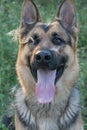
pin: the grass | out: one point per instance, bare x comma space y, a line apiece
9, 20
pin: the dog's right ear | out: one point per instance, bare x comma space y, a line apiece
29, 16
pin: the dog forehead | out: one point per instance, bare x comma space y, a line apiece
46, 30
49, 28
58, 28
46, 27
41, 27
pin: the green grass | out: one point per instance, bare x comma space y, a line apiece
9, 20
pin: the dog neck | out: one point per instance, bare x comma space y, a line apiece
67, 117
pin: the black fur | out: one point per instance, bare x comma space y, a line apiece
45, 27
7, 121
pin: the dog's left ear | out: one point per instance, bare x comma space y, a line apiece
67, 14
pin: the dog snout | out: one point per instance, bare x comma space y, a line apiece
43, 56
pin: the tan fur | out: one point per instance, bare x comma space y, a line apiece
46, 117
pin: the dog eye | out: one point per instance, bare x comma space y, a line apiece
31, 41
56, 39
36, 39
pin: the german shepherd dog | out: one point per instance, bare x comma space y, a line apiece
47, 69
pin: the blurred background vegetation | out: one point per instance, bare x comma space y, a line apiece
9, 20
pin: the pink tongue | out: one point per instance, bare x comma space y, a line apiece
45, 88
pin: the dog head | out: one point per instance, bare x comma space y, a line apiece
46, 50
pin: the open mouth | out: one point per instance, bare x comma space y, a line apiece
59, 72
45, 83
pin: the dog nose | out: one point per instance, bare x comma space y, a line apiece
43, 56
